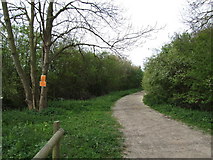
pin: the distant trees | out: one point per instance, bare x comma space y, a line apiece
85, 75
53, 27
182, 73
75, 75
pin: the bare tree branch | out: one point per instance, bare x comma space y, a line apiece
199, 14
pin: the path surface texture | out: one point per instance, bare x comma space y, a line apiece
150, 134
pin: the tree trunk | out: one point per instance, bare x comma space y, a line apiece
15, 57
33, 59
47, 44
45, 66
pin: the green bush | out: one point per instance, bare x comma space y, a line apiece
182, 73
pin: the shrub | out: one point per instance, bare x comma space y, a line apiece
182, 73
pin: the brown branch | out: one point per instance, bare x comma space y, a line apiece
62, 9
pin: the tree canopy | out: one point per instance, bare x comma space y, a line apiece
55, 26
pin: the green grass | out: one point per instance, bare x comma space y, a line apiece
90, 129
197, 119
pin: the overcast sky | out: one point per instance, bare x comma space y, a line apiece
166, 13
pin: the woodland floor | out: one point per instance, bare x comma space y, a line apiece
150, 134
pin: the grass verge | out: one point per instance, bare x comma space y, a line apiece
90, 129
201, 120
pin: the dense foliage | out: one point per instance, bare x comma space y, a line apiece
85, 75
75, 74
182, 73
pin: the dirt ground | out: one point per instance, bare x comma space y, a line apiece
150, 134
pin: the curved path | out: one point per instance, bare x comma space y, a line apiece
150, 134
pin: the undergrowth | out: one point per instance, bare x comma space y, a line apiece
90, 129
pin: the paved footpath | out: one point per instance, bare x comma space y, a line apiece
150, 134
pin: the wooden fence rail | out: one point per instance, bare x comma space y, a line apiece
53, 144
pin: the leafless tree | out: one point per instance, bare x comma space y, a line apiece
199, 14
73, 23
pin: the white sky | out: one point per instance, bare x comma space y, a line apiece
149, 12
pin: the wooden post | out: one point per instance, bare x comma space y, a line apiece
56, 148
43, 153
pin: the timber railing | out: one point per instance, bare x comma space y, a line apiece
52, 145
